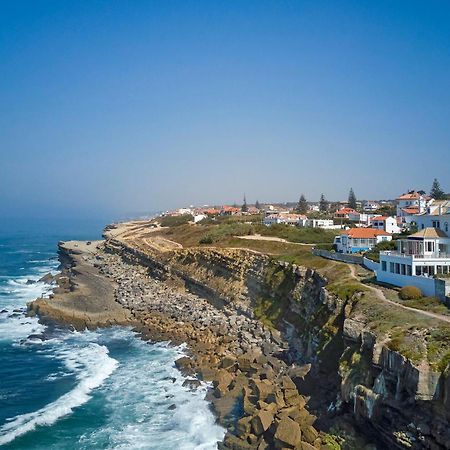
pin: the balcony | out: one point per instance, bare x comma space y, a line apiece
434, 255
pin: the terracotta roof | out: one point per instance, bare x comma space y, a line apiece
364, 233
409, 196
383, 218
429, 233
412, 210
345, 211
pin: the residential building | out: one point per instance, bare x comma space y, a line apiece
417, 260
355, 240
230, 211
361, 218
411, 203
437, 215
199, 217
344, 213
326, 224
370, 206
388, 224
284, 218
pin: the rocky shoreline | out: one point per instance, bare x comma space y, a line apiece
254, 394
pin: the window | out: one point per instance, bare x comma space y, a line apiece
397, 268
423, 226
403, 267
429, 245
409, 270
383, 266
436, 224
391, 267
446, 227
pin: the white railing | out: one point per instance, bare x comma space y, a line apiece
435, 255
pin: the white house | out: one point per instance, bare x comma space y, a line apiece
388, 224
411, 203
417, 260
370, 206
199, 217
361, 218
437, 215
357, 240
326, 224
284, 218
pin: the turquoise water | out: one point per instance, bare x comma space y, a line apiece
84, 390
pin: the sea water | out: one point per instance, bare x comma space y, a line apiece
103, 389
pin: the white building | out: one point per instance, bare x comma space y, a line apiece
437, 215
411, 203
388, 224
424, 255
370, 206
199, 217
361, 218
284, 218
357, 240
326, 224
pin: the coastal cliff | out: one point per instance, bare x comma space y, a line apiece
278, 340
359, 367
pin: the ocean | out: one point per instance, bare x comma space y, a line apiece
103, 389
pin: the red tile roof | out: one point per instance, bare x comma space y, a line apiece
409, 196
413, 210
364, 233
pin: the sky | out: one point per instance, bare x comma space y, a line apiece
120, 108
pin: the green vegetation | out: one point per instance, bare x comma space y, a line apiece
298, 234
410, 293
174, 221
374, 254
352, 199
302, 206
436, 191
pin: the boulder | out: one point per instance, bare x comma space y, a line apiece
228, 363
309, 434
262, 421
288, 432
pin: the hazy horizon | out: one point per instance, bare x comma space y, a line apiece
116, 109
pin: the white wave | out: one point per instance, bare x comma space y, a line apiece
93, 366
141, 417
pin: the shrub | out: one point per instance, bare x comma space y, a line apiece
410, 293
206, 240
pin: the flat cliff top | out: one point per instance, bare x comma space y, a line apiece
84, 296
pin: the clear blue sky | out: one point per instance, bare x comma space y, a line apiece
115, 107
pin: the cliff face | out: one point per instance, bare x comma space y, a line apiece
354, 370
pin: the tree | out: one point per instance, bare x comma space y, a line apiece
302, 205
352, 199
257, 205
436, 191
244, 207
323, 204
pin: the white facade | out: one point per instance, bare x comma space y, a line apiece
371, 206
388, 224
425, 254
326, 224
362, 218
437, 215
284, 218
410, 201
356, 240
199, 217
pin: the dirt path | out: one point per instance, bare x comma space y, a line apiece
258, 237
380, 294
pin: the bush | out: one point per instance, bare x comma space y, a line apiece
206, 240
410, 293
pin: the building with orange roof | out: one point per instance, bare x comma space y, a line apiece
356, 240
411, 203
344, 213
388, 224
